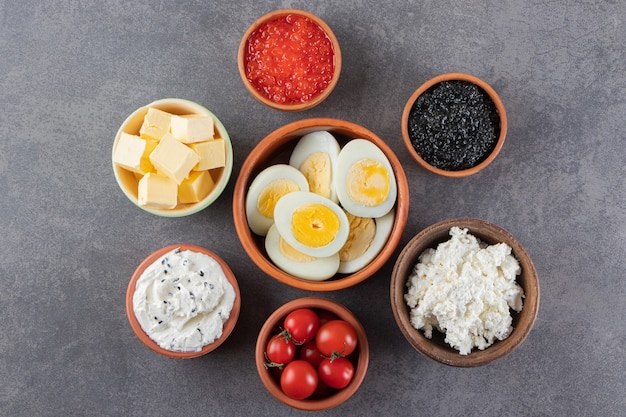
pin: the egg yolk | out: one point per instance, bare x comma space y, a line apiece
368, 182
318, 172
273, 192
314, 225
293, 254
362, 232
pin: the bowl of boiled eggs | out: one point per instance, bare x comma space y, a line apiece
320, 204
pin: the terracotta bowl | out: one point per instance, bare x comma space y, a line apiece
229, 324
360, 357
435, 348
276, 148
127, 180
241, 58
455, 76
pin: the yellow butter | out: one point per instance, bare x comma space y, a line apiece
156, 124
212, 154
157, 191
173, 158
192, 128
132, 153
196, 187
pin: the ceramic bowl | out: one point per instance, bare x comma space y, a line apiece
360, 357
228, 326
276, 148
128, 181
500, 131
435, 348
265, 99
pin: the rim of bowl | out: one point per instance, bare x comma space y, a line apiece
455, 76
443, 353
169, 104
276, 318
277, 140
228, 325
298, 106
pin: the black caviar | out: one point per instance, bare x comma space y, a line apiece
454, 125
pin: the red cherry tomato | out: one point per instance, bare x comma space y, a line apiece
302, 325
299, 379
322, 390
336, 338
336, 373
326, 315
280, 350
310, 353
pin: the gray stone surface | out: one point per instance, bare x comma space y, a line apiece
71, 73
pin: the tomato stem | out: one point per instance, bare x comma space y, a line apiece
269, 364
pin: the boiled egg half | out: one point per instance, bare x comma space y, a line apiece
267, 188
297, 263
311, 224
315, 155
365, 182
366, 239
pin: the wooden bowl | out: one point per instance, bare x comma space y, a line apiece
127, 180
455, 76
276, 148
228, 326
435, 348
275, 321
241, 60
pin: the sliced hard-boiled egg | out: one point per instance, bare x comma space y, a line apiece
315, 155
266, 189
312, 224
297, 263
367, 238
365, 182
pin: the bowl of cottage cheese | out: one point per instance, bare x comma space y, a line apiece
183, 301
464, 292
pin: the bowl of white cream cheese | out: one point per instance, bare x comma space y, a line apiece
183, 301
464, 292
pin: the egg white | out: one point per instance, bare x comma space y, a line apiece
320, 141
258, 222
283, 214
319, 269
351, 153
384, 225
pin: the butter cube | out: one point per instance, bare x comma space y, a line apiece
173, 159
192, 128
156, 124
196, 187
132, 153
212, 154
157, 191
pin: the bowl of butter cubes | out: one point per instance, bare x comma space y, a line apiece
172, 157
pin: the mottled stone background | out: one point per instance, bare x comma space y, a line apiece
73, 70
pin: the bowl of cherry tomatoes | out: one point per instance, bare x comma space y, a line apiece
312, 354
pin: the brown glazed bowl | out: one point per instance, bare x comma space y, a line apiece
127, 180
435, 348
271, 327
241, 61
276, 148
455, 76
229, 324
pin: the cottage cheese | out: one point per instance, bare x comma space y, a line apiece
464, 289
182, 300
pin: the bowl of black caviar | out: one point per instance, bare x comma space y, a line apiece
454, 125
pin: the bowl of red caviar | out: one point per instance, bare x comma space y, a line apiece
289, 60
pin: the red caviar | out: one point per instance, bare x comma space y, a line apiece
289, 59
